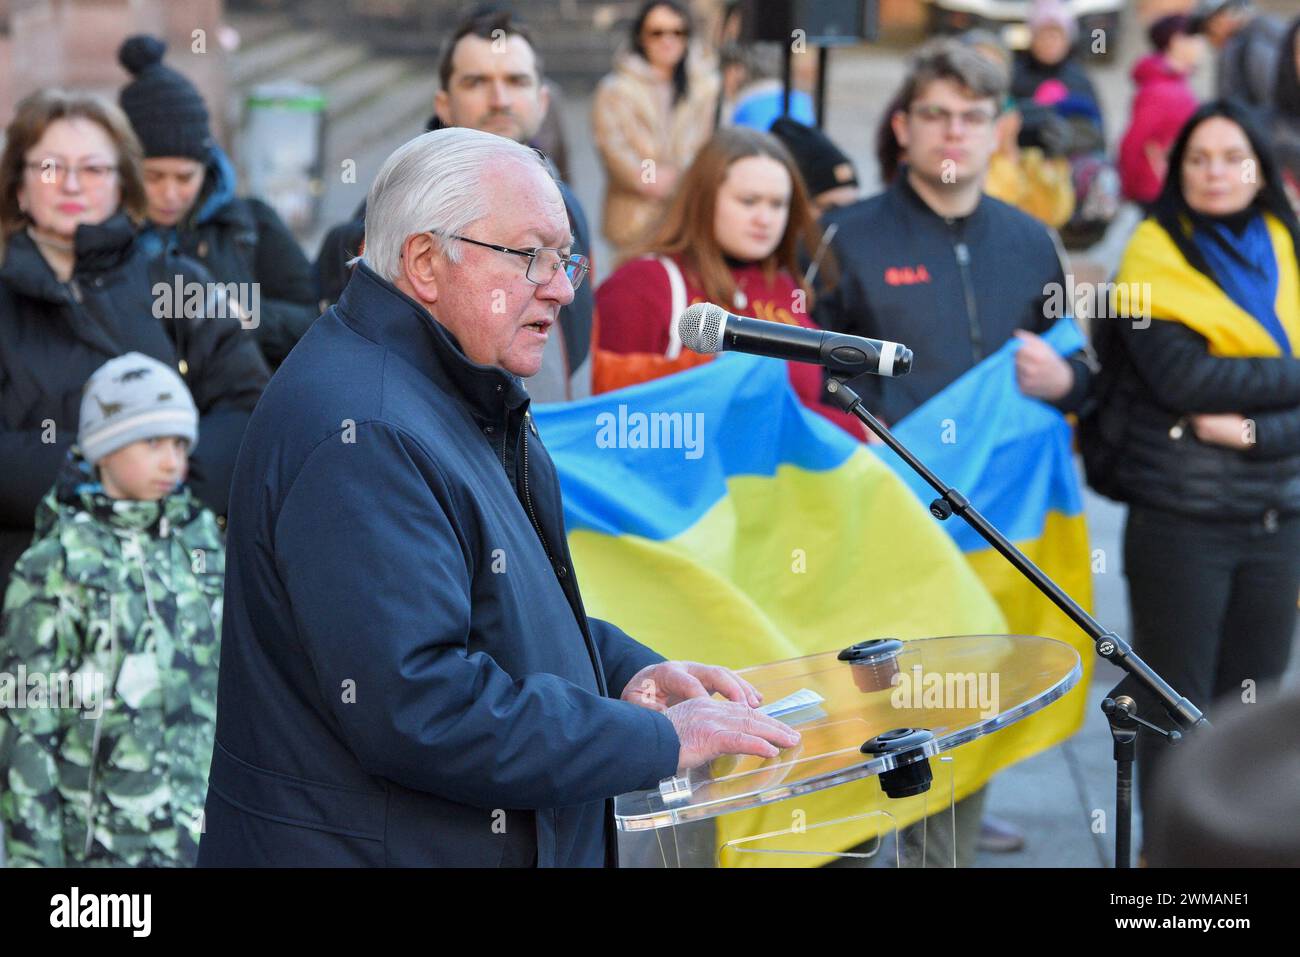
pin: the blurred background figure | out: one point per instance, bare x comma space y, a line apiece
1285, 125
192, 209
1226, 797
759, 99
1162, 103
1031, 178
1050, 57
827, 171
1197, 426
731, 236
649, 118
77, 289
490, 79
1248, 43
1061, 115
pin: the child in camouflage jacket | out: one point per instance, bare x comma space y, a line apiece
118, 598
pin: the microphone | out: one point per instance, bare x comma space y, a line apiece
706, 328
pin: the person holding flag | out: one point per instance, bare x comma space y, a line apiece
961, 275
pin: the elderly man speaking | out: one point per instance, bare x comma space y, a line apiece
408, 676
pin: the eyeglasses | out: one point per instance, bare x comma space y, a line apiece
90, 174
542, 261
937, 115
660, 34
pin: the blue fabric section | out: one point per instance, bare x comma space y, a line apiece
222, 173
1245, 267
750, 423
760, 110
1007, 453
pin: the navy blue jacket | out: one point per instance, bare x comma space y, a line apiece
408, 676
952, 290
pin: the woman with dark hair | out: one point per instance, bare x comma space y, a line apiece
650, 116
731, 236
1286, 109
193, 208
77, 288
1197, 424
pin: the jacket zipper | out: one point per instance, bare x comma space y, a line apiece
528, 498
962, 252
99, 724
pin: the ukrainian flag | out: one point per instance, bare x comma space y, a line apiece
715, 519
1011, 456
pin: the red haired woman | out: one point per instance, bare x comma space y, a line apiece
731, 236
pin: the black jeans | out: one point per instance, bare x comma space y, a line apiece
1213, 605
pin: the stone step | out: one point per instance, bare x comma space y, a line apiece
276, 55
256, 27
365, 84
402, 109
326, 66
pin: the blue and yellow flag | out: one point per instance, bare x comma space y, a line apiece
715, 519
1011, 457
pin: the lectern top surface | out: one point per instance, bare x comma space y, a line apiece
958, 688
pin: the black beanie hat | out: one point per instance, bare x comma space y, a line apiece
165, 108
822, 164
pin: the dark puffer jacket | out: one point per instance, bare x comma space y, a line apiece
243, 240
1139, 445
53, 335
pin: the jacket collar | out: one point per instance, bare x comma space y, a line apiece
219, 190
382, 313
97, 249
903, 188
76, 489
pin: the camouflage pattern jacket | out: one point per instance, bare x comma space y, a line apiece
126, 597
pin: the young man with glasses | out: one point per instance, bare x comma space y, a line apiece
960, 274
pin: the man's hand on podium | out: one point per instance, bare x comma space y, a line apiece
708, 729
659, 687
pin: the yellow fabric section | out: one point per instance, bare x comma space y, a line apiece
1034, 184
1061, 552
1182, 293
814, 561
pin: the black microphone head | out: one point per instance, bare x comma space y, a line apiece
903, 363
700, 327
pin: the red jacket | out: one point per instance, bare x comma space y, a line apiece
1163, 103
635, 317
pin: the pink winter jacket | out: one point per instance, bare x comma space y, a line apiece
1161, 106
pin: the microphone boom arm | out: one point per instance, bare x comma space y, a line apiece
1109, 645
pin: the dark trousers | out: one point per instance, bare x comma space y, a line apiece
1213, 605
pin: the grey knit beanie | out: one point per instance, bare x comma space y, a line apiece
130, 398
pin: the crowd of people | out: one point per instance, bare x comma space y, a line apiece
112, 513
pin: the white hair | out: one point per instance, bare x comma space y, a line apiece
433, 183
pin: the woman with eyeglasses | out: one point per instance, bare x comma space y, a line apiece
77, 289
1197, 423
731, 236
650, 116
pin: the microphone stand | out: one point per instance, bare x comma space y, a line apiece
1120, 710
